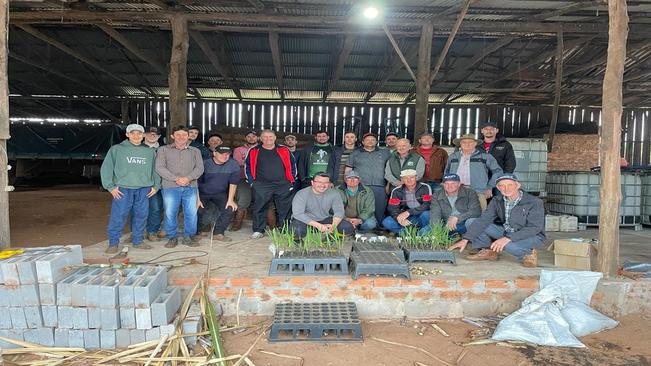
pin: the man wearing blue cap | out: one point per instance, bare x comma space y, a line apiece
455, 205
521, 227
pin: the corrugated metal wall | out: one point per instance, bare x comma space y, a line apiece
446, 122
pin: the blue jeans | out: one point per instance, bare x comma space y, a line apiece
172, 199
392, 224
380, 201
367, 225
133, 201
434, 185
462, 228
517, 249
155, 208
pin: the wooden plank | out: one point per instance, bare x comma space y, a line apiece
178, 80
557, 88
610, 193
393, 42
422, 83
133, 48
342, 57
218, 64
5, 238
562, 10
274, 43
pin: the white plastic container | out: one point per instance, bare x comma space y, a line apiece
646, 199
531, 163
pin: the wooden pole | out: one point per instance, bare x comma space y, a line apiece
4, 125
422, 82
610, 192
178, 79
557, 88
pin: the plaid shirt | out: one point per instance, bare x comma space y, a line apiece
508, 206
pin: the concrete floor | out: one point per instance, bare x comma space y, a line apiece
244, 257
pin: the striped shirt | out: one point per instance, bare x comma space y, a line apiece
508, 206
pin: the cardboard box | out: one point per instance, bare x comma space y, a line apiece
552, 223
576, 253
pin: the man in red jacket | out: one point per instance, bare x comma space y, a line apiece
271, 171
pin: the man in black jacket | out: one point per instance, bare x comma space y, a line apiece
455, 206
521, 227
408, 204
317, 157
497, 146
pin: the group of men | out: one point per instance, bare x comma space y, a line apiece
347, 188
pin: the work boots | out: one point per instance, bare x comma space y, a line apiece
237, 220
531, 260
271, 218
483, 255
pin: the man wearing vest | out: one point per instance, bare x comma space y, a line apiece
476, 169
271, 171
496, 145
317, 157
514, 222
401, 159
408, 204
435, 157
359, 203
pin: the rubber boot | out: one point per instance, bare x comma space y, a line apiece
237, 220
271, 218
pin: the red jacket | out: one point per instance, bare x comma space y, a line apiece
251, 163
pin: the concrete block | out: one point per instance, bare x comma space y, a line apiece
107, 339
79, 290
13, 334
147, 289
51, 268
91, 338
191, 326
165, 306
169, 328
109, 290
152, 334
50, 316
143, 318
2, 278
42, 336
5, 300
94, 318
27, 268
110, 319
31, 336
47, 293
80, 318
122, 338
13, 295
64, 316
125, 291
9, 269
33, 316
5, 318
30, 295
18, 320
137, 336
93, 297
128, 318
64, 287
76, 338
61, 338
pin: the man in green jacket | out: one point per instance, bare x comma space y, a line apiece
128, 174
359, 203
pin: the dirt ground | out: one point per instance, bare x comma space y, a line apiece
628, 344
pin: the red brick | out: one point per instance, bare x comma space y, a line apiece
310, 292
452, 295
505, 295
225, 293
421, 295
362, 281
367, 294
185, 281
217, 282
241, 282
440, 283
497, 284
303, 281
411, 282
271, 281
478, 295
466, 283
328, 281
396, 295
339, 293
386, 282
282, 293
526, 283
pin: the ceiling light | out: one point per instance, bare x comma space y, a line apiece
371, 12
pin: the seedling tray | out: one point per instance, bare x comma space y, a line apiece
378, 263
378, 247
418, 255
316, 322
300, 264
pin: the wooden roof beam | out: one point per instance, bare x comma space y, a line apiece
342, 57
274, 43
49, 40
397, 49
391, 71
256, 4
133, 48
201, 41
566, 9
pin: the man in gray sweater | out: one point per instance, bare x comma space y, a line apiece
319, 206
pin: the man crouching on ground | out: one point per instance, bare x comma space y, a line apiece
522, 228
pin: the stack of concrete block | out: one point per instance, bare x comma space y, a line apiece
87, 307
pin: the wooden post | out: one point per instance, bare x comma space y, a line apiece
178, 80
610, 193
4, 125
422, 82
557, 88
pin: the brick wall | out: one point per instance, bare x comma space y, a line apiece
573, 152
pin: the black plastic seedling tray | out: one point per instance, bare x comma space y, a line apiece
299, 264
416, 255
316, 322
378, 247
378, 263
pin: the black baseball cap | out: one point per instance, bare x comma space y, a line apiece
223, 149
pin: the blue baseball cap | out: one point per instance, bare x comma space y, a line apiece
505, 176
451, 178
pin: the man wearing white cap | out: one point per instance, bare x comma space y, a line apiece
359, 203
128, 174
409, 204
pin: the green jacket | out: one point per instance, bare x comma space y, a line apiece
365, 201
129, 166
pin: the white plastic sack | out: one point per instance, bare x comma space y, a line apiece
558, 313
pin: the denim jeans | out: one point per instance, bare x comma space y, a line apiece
380, 201
155, 208
215, 212
367, 225
172, 199
517, 249
462, 227
133, 201
392, 224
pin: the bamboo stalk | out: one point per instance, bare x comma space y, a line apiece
157, 349
239, 362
